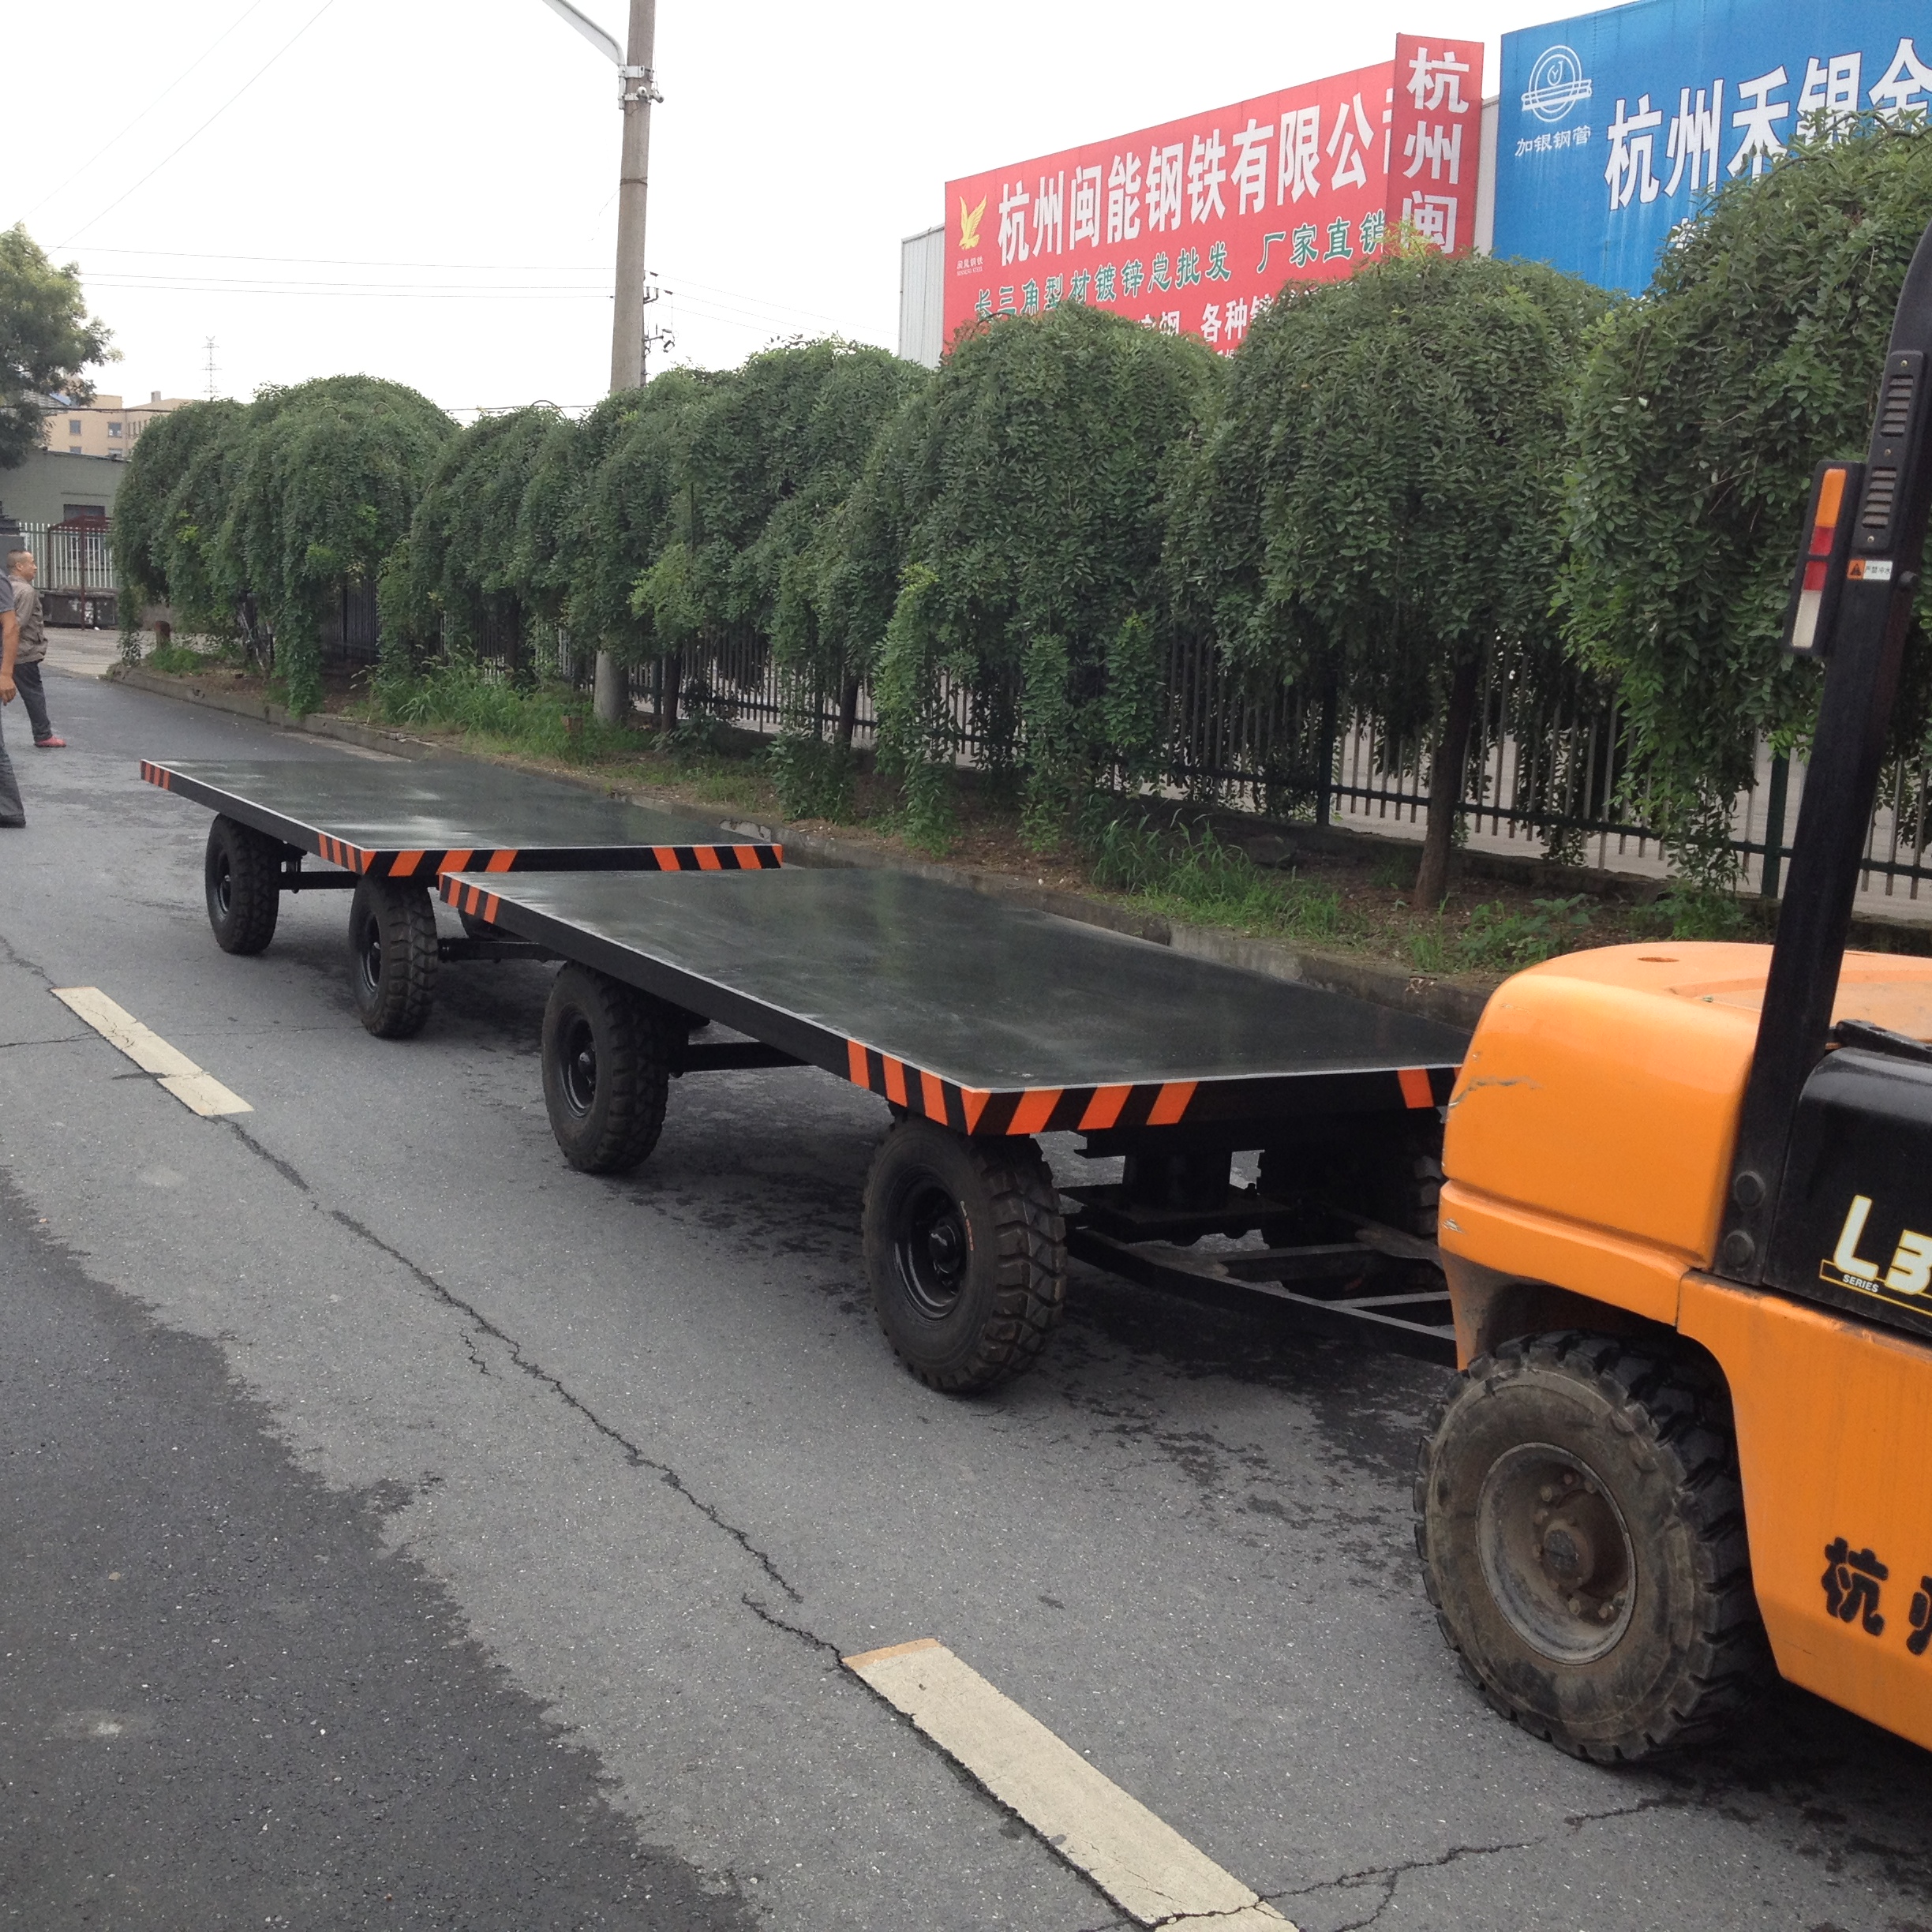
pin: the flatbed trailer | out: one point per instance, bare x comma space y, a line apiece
982, 1025
385, 831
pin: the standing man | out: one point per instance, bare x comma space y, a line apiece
11, 815
22, 568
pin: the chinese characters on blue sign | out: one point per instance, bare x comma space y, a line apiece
1613, 123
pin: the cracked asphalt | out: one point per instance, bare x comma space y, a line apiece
609, 1474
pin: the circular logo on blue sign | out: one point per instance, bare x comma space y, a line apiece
1557, 84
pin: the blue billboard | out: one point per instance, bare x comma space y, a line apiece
1613, 125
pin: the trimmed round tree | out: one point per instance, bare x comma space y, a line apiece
1700, 413
1011, 525
456, 581
322, 486
169, 506
1379, 509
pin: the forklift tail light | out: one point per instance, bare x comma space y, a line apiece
1821, 559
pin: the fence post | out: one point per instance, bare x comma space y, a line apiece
1769, 879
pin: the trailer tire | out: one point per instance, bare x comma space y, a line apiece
476, 927
607, 1054
241, 875
392, 956
1616, 1618
966, 1250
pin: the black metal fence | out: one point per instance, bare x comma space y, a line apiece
1543, 778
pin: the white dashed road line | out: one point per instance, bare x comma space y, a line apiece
198, 1092
1145, 1865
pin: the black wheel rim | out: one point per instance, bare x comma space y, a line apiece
369, 953
1556, 1552
221, 888
577, 1052
933, 1247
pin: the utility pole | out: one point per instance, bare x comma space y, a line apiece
610, 700
610, 692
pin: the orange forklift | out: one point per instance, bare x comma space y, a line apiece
1687, 1228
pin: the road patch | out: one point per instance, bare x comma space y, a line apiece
200, 1092
1142, 1863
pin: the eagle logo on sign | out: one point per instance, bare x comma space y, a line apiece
970, 219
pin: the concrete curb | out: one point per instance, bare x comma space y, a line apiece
1453, 1002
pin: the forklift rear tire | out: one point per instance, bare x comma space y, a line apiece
607, 1052
966, 1250
1581, 1525
242, 874
392, 956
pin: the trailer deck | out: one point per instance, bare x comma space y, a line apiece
412, 820
385, 830
996, 1022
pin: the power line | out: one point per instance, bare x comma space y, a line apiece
713, 289
115, 140
205, 125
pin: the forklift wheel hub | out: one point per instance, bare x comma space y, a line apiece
1556, 1553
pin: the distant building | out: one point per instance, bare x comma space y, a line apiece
108, 426
49, 486
922, 296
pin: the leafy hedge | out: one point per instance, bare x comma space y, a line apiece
1436, 466
1699, 417
253, 517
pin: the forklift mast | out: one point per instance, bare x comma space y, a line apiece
1859, 573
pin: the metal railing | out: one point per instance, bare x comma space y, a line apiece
1544, 777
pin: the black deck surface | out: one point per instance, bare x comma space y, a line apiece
431, 810
986, 996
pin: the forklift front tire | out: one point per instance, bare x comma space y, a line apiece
241, 874
1581, 1525
966, 1250
607, 1051
392, 956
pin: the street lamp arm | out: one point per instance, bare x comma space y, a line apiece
605, 43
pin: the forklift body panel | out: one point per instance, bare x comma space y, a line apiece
1834, 1436
1591, 1132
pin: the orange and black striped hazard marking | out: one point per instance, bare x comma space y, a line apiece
1096, 1109
390, 862
428, 865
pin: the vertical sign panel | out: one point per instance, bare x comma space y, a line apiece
1615, 126
1195, 226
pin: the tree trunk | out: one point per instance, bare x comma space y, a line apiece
610, 695
1447, 769
847, 712
1325, 732
673, 671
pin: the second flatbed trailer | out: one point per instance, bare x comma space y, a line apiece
385, 832
983, 1025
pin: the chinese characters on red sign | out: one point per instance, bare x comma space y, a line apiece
1195, 226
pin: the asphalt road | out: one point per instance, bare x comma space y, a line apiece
607, 1473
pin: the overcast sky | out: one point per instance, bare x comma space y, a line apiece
426, 189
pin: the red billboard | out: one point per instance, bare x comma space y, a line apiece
1196, 226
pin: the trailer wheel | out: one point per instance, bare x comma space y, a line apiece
392, 956
1581, 1525
241, 872
476, 927
966, 1250
607, 1052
